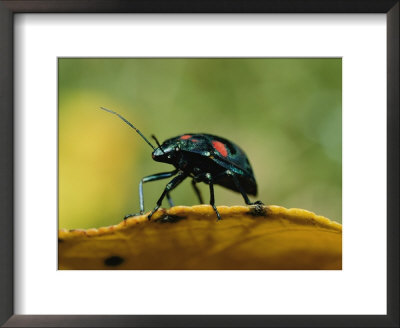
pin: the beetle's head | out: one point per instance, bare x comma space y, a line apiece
168, 152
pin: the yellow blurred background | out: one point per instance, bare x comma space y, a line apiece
285, 113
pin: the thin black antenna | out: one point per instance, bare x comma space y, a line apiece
130, 124
158, 144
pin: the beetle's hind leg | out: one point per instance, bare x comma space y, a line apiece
197, 191
242, 191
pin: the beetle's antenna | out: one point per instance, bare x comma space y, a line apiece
158, 144
130, 124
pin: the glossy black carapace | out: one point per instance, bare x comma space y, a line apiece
204, 158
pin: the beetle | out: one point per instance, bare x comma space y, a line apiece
204, 158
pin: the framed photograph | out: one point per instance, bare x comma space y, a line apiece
210, 98
273, 128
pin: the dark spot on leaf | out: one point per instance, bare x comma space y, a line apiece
72, 230
258, 210
170, 219
113, 261
310, 221
60, 240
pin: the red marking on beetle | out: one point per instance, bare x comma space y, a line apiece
220, 147
194, 140
186, 136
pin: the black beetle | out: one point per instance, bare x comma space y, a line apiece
204, 158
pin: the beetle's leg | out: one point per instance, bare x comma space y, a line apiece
212, 201
149, 178
197, 191
153, 177
170, 202
170, 185
240, 188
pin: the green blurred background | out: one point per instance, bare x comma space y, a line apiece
285, 113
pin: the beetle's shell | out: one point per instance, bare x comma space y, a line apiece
222, 155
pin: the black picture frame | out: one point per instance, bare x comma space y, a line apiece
7, 11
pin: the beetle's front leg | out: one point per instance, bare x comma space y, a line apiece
153, 177
170, 202
170, 185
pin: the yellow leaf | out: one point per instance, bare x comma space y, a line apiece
256, 237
